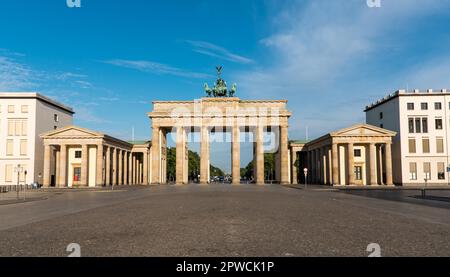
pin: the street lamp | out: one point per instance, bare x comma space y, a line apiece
305, 172
18, 169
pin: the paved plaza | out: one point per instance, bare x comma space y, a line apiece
225, 220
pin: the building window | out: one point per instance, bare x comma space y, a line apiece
439, 145
357, 152
418, 126
381, 126
76, 174
424, 106
426, 145
17, 127
8, 173
23, 147
10, 108
438, 106
56, 118
9, 147
24, 108
77, 154
412, 171
381, 115
438, 123
410, 106
441, 171
358, 173
427, 171
424, 125
412, 145
55, 127
411, 125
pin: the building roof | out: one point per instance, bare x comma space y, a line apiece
403, 92
357, 130
79, 132
35, 95
139, 142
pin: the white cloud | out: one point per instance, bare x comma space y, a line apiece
318, 54
213, 50
15, 76
156, 68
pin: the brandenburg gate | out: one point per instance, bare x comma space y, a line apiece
221, 111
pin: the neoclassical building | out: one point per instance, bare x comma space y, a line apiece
224, 114
78, 157
358, 155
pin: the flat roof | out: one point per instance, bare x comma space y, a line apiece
402, 92
35, 95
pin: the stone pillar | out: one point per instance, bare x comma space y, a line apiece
351, 164
180, 155
388, 156
259, 166
204, 155
329, 167
99, 165
380, 165
335, 164
373, 162
145, 168
57, 168
294, 168
125, 167
108, 166
134, 174
156, 156
84, 165
284, 155
313, 166
47, 163
320, 165
236, 155
63, 166
114, 166
120, 172
130, 168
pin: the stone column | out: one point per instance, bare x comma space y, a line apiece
294, 168
180, 155
313, 166
120, 172
373, 162
259, 166
351, 164
114, 166
84, 165
330, 166
130, 168
204, 155
99, 165
62, 166
57, 168
335, 162
284, 155
236, 154
125, 167
108, 166
47, 164
380, 165
388, 156
156, 156
134, 174
145, 168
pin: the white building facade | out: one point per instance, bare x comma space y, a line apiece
420, 150
23, 117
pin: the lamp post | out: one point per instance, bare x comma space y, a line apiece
305, 172
25, 190
18, 169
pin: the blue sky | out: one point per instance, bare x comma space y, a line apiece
109, 59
